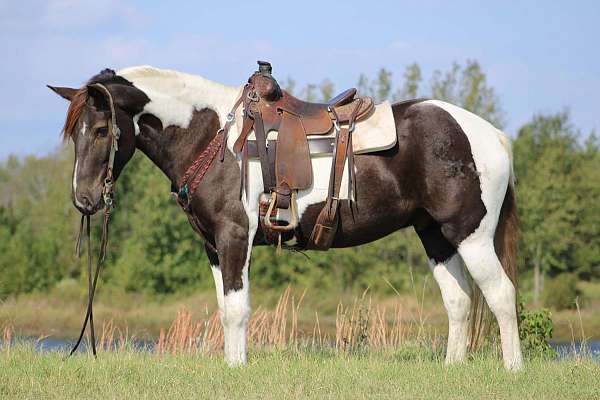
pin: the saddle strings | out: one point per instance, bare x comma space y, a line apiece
89, 316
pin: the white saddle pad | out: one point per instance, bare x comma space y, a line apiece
376, 133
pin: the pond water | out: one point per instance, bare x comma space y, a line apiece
564, 349
568, 348
54, 344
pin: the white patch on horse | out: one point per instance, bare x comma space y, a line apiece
236, 305
493, 162
77, 202
218, 277
456, 295
321, 167
136, 126
174, 96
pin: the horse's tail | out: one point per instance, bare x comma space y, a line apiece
506, 244
506, 239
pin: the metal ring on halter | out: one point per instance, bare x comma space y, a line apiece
294, 213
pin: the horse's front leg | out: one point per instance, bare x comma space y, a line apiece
234, 246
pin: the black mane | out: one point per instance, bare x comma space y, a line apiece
108, 76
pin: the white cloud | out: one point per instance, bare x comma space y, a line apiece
76, 13
38, 17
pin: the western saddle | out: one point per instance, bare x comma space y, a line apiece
286, 162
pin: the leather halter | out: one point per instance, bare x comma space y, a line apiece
107, 195
115, 134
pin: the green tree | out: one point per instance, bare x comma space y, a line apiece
586, 227
383, 85
468, 87
412, 80
289, 85
326, 87
308, 93
159, 252
362, 86
556, 213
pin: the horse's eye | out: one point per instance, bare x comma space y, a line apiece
102, 132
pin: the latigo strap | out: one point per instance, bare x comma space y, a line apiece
323, 232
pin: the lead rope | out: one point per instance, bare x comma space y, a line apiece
92, 283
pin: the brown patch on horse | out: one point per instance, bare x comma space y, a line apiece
74, 112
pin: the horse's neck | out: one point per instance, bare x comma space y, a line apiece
191, 110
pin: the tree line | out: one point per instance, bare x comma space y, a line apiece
152, 248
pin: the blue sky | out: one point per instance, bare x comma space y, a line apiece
539, 56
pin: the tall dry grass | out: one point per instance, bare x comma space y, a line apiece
359, 325
7, 338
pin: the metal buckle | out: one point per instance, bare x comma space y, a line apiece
253, 96
336, 125
107, 194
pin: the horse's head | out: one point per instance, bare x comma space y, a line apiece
89, 124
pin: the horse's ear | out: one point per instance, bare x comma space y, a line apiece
64, 92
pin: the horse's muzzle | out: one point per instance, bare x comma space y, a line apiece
86, 206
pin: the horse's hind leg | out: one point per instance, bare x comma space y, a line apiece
447, 267
484, 266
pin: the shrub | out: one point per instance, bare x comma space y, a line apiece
536, 331
560, 292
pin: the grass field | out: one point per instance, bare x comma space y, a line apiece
415, 374
368, 352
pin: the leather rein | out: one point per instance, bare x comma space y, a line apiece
107, 195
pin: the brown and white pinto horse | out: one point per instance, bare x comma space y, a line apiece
449, 176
